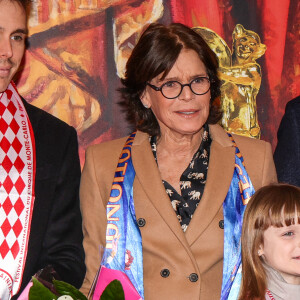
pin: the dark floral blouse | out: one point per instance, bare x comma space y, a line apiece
192, 181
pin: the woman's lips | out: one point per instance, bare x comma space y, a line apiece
190, 112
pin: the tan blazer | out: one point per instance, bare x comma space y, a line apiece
165, 246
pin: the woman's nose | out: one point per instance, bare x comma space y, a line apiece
186, 93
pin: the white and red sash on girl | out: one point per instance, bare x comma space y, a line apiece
17, 177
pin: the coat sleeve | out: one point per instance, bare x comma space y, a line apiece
63, 238
94, 219
287, 152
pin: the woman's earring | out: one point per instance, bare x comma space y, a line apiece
259, 253
145, 105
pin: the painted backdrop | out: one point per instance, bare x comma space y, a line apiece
77, 50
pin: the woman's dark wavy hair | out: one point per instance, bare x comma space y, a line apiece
156, 52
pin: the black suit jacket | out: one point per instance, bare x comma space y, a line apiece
56, 227
287, 153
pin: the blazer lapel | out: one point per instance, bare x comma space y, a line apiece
149, 178
220, 172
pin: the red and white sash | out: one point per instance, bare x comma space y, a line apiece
17, 177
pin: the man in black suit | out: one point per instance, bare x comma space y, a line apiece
287, 152
40, 220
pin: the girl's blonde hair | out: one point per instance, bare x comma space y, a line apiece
275, 205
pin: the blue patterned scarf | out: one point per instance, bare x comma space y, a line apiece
239, 193
123, 251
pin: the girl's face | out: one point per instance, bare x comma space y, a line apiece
281, 251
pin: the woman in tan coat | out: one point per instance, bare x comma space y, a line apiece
188, 170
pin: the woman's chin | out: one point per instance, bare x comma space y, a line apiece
186, 130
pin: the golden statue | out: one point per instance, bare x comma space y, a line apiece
241, 78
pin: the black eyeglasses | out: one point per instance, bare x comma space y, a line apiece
172, 89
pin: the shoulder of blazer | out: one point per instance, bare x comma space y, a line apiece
294, 104
253, 150
244, 141
105, 155
258, 160
114, 147
220, 136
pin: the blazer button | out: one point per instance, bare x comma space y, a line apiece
164, 273
193, 277
221, 224
141, 222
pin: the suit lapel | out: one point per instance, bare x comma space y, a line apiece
220, 172
150, 181
33, 114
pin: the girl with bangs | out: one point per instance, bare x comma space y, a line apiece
271, 244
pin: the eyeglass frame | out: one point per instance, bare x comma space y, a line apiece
159, 89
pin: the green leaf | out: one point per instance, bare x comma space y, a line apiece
38, 291
64, 288
114, 291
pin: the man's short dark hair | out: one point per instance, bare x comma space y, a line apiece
155, 53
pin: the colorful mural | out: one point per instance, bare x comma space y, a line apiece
78, 50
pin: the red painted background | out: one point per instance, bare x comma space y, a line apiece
80, 55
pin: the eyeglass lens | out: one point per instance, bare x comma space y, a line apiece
173, 89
